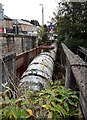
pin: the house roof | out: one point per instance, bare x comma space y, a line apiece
6, 17
19, 21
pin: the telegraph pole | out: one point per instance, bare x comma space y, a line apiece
1, 16
42, 14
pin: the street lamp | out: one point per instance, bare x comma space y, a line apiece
42, 14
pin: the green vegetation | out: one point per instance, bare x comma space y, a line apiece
43, 34
71, 23
54, 103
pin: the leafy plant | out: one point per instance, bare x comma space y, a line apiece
43, 33
53, 103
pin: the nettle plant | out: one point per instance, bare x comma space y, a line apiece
52, 103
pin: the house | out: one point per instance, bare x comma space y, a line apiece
6, 24
23, 27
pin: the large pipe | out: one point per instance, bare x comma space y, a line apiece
40, 70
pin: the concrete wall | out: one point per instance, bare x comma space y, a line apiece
17, 43
7, 70
76, 73
11, 48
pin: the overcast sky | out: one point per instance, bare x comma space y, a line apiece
29, 9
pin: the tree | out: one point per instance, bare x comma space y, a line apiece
43, 33
70, 23
35, 22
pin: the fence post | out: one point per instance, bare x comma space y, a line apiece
22, 44
36, 51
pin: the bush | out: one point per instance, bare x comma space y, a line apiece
53, 103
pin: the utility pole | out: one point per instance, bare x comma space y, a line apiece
1, 12
42, 14
1, 30
1, 17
